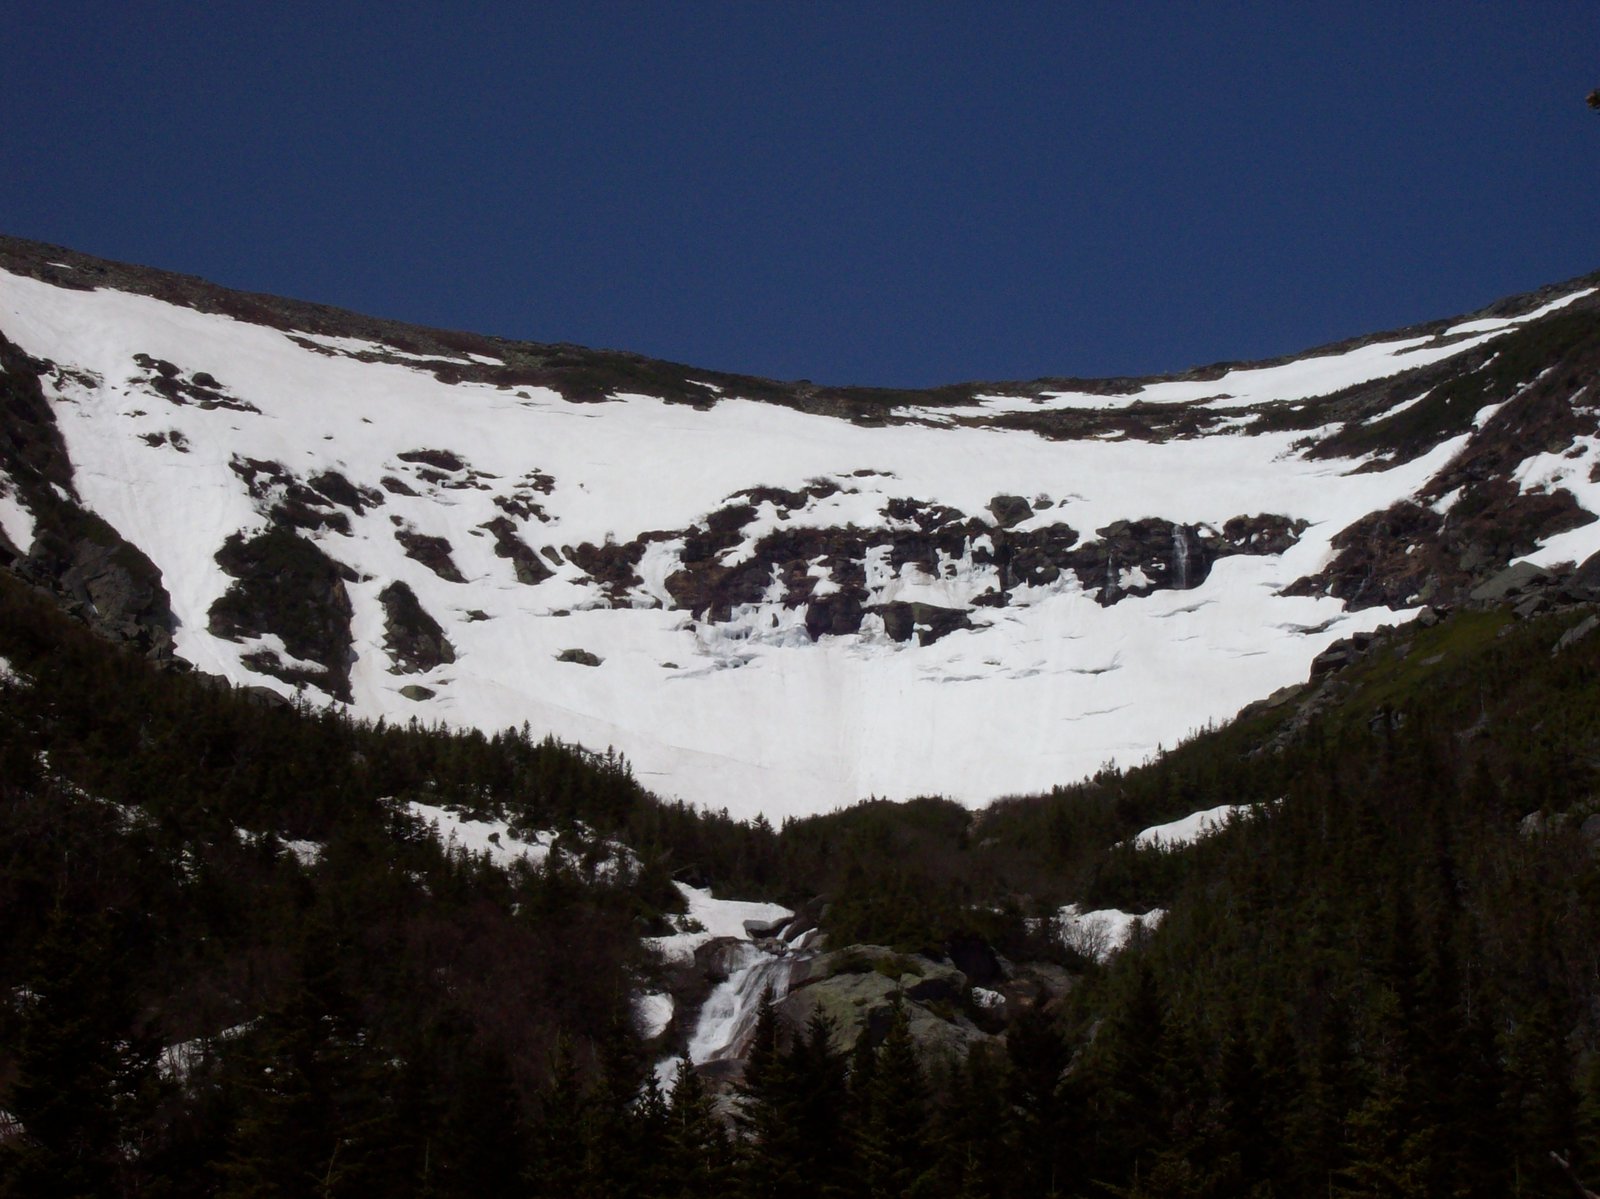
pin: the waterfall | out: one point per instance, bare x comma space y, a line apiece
1180, 557
728, 1016
1108, 592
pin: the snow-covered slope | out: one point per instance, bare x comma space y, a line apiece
765, 604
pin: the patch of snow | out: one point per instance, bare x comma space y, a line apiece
1191, 828
482, 838
16, 522
271, 643
1131, 577
1493, 323
176, 1062
709, 919
824, 584
1447, 501
1101, 933
1301, 379
1487, 413
307, 853
1569, 470
987, 999
356, 345
1399, 408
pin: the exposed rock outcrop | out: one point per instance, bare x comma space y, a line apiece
414, 640
528, 566
286, 587
322, 502
200, 389
97, 573
857, 988
432, 552
728, 561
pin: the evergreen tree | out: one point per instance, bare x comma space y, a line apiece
81, 1068
1244, 1145
980, 1147
623, 1138
697, 1159
479, 1147
1046, 1127
559, 1162
817, 1108
769, 1145
1128, 1112
313, 1104
898, 1152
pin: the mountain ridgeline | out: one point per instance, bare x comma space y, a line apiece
314, 885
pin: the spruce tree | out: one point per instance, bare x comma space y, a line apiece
697, 1160
1046, 1128
980, 1149
479, 1147
558, 1159
81, 1067
817, 1108
767, 1113
1128, 1116
898, 1153
622, 1142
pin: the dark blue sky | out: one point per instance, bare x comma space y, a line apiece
895, 194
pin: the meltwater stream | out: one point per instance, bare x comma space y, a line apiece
1180, 556
728, 1016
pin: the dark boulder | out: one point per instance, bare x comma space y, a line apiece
432, 552
1585, 580
1576, 633
1513, 580
285, 586
926, 622
414, 640
837, 614
527, 565
1009, 510
1336, 657
975, 958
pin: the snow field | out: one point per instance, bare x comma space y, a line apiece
709, 919
16, 522
1301, 379
1101, 933
746, 715
482, 838
1186, 831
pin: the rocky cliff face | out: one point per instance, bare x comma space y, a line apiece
69, 550
784, 596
